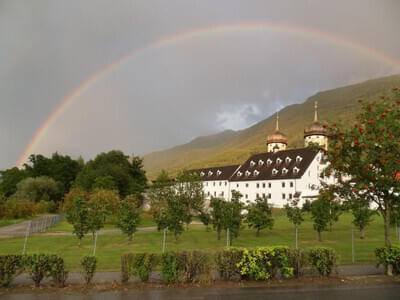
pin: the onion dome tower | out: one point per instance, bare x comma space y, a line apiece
316, 133
277, 141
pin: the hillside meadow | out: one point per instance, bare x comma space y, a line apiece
234, 147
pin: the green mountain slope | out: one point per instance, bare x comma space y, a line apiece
231, 147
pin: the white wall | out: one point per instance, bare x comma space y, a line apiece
217, 188
308, 185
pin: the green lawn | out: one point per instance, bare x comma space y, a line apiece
111, 246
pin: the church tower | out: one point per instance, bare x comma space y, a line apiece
277, 141
315, 133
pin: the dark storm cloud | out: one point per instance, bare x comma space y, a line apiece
168, 95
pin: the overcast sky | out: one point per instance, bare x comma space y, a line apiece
170, 94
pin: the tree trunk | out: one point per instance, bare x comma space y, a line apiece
93, 235
319, 236
258, 232
80, 242
219, 234
386, 219
362, 233
130, 238
175, 238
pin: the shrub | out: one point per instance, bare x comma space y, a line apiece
140, 264
89, 265
57, 270
126, 262
16, 208
263, 262
322, 259
10, 266
193, 263
389, 256
38, 266
227, 261
170, 267
47, 207
298, 259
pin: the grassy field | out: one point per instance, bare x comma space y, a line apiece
111, 246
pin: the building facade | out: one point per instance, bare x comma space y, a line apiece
280, 174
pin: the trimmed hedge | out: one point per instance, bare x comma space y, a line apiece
38, 266
388, 256
138, 264
323, 260
227, 261
260, 263
89, 266
263, 263
10, 267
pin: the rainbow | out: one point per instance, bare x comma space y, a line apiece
195, 33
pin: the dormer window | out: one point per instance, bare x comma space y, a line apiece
274, 171
288, 160
210, 173
219, 172
255, 173
296, 170
252, 163
247, 173
201, 174
269, 162
298, 158
278, 161
260, 162
284, 171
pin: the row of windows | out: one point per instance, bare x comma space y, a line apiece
258, 185
215, 194
220, 183
246, 196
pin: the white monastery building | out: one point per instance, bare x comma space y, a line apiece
278, 174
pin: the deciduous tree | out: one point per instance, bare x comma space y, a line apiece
259, 215
366, 157
128, 217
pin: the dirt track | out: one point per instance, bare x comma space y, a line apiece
14, 230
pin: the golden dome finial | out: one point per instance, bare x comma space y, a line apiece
316, 111
277, 122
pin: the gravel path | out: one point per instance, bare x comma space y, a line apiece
13, 230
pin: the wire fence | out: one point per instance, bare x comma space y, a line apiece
40, 225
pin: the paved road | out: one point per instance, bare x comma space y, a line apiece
365, 292
13, 230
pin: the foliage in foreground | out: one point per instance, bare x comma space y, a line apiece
89, 266
389, 256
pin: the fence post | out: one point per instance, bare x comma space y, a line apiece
352, 244
296, 229
28, 229
164, 238
95, 244
228, 240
